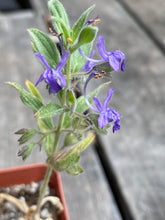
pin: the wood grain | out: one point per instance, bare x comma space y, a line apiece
87, 195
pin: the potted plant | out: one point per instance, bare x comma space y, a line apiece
69, 117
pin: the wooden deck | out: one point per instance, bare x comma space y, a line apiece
124, 172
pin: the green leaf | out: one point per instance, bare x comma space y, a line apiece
29, 134
74, 169
27, 98
58, 10
103, 67
49, 110
80, 22
79, 123
87, 35
45, 46
45, 125
65, 29
69, 158
67, 120
25, 151
33, 90
70, 139
70, 98
78, 61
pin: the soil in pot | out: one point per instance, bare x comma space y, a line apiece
30, 194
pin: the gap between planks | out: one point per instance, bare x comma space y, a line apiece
112, 181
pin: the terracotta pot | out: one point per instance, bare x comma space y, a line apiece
34, 173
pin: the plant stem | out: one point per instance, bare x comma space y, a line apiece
49, 168
68, 72
56, 140
43, 189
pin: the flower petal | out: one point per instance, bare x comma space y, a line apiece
107, 99
54, 86
116, 126
62, 61
103, 120
42, 60
101, 48
116, 60
89, 64
97, 103
89, 59
60, 77
91, 75
41, 78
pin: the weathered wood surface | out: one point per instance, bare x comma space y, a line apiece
151, 16
136, 153
88, 195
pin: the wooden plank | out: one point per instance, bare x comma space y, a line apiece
17, 64
136, 153
90, 195
150, 15
87, 195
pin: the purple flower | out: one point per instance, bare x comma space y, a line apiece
106, 115
89, 64
116, 59
53, 77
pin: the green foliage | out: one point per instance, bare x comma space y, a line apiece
63, 28
27, 135
68, 160
58, 10
60, 18
46, 125
70, 98
45, 46
103, 67
70, 139
77, 60
25, 151
81, 107
80, 23
87, 35
27, 98
49, 110
33, 90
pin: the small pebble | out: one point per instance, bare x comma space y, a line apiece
45, 213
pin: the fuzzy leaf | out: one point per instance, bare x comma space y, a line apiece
45, 46
74, 169
49, 110
27, 98
78, 61
25, 151
33, 90
64, 29
70, 139
80, 22
87, 35
70, 98
29, 134
69, 158
81, 107
58, 10
103, 67
45, 125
